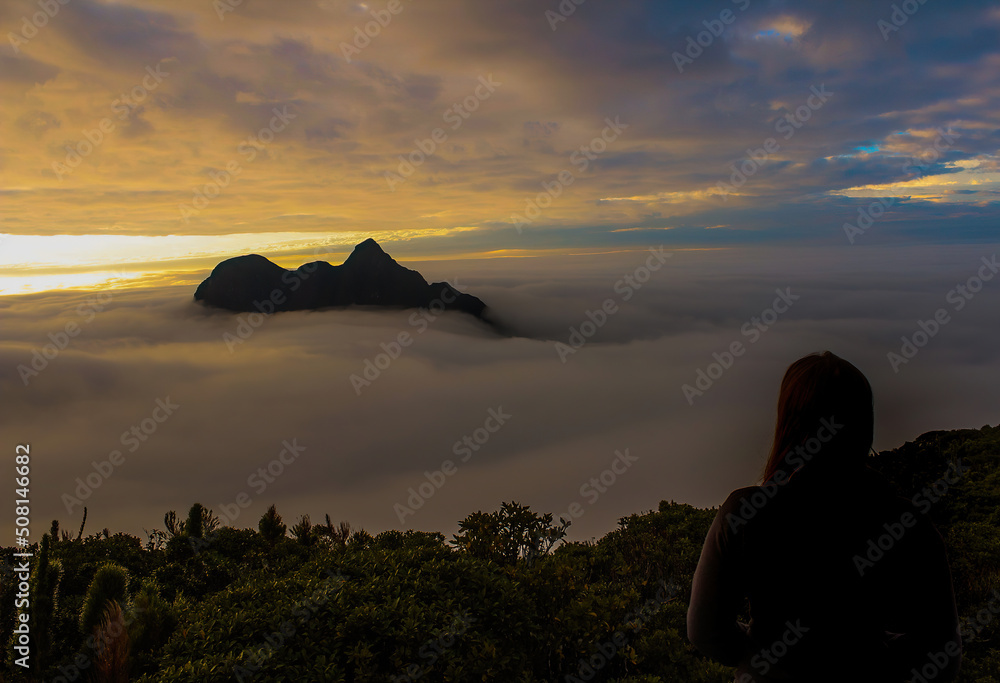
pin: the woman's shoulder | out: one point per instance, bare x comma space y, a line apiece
862, 489
742, 506
865, 489
739, 497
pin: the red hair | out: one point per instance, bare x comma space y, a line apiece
816, 389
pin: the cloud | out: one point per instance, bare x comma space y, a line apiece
356, 119
290, 380
38, 122
366, 99
23, 72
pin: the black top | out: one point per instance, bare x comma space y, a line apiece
845, 581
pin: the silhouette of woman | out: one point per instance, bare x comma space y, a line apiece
844, 580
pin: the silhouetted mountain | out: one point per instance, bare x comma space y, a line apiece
369, 277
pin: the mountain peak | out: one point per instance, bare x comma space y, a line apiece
369, 277
367, 253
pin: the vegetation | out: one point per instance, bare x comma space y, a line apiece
508, 599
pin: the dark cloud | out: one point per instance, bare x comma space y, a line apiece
123, 37
619, 60
38, 122
23, 70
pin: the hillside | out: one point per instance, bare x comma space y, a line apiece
505, 600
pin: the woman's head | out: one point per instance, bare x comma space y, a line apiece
825, 416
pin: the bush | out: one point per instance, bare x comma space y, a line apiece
108, 585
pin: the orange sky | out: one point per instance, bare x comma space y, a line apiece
182, 134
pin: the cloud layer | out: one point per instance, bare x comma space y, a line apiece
243, 392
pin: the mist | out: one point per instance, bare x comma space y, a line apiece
415, 419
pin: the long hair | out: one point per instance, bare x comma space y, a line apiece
825, 404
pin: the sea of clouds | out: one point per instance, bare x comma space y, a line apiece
151, 405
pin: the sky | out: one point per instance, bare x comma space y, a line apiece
531, 153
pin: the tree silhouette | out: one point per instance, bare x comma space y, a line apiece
303, 531
513, 532
270, 525
172, 524
338, 534
195, 524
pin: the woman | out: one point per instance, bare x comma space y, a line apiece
844, 580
